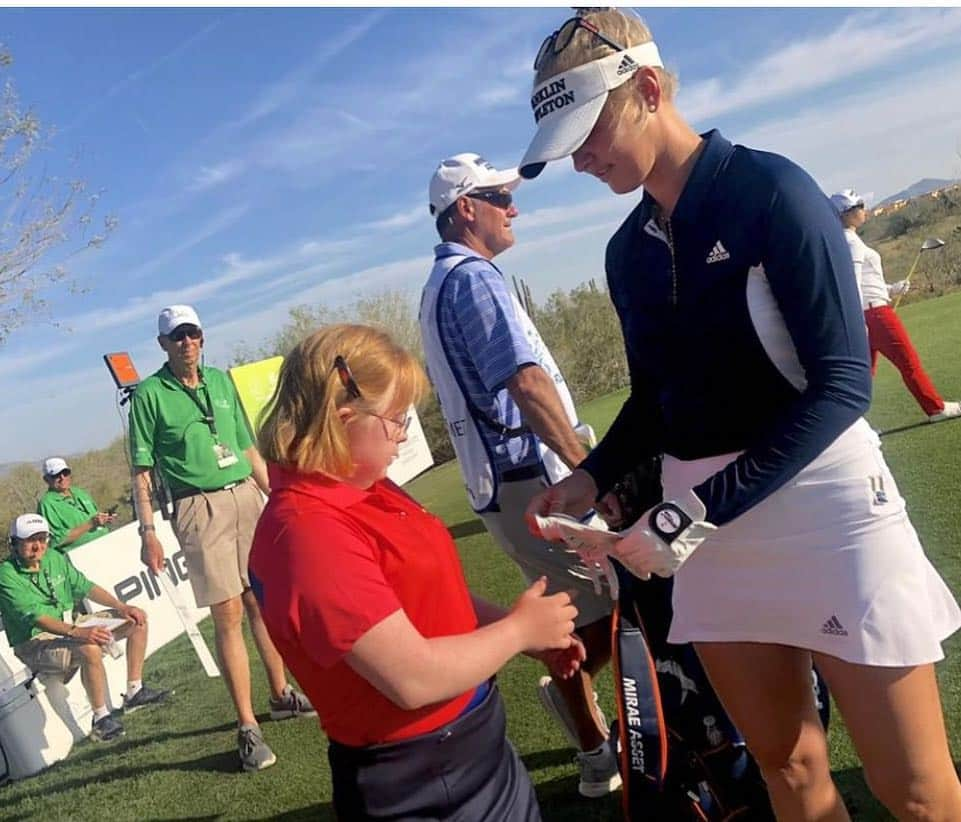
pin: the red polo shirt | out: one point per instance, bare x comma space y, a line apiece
331, 561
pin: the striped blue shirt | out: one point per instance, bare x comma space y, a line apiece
486, 346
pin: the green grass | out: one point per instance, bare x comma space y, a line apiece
179, 762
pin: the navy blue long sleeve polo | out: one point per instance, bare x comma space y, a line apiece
742, 325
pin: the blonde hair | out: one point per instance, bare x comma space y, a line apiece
625, 30
302, 428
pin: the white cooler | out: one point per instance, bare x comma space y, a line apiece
32, 736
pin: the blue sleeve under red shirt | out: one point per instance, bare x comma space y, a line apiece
743, 328
329, 562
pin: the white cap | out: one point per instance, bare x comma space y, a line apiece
174, 315
53, 465
26, 525
846, 200
462, 174
567, 105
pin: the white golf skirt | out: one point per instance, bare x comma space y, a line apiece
830, 562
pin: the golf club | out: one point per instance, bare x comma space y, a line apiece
913, 425
927, 245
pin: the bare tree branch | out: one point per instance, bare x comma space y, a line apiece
45, 220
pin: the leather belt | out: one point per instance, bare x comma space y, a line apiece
184, 493
876, 304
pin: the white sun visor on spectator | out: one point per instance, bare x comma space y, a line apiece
567, 105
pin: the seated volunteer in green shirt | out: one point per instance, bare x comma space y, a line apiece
37, 591
73, 515
186, 421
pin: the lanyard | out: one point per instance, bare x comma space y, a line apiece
206, 410
50, 593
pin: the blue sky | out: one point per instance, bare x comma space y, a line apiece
260, 159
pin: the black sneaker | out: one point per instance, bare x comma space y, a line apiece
254, 753
106, 729
145, 696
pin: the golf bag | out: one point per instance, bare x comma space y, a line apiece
680, 756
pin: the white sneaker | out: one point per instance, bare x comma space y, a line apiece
951, 409
554, 703
599, 772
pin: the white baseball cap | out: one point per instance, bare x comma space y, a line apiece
846, 200
174, 315
53, 465
26, 525
463, 173
567, 105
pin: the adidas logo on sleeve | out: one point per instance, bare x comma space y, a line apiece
718, 253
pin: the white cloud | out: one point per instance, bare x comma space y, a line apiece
215, 175
861, 43
290, 88
399, 220
883, 139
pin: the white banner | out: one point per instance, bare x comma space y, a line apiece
413, 455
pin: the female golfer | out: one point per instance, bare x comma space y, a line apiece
886, 333
749, 373
363, 594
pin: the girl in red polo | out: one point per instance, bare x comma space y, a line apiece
363, 594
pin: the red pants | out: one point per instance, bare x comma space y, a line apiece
887, 335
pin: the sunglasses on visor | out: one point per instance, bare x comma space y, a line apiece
555, 43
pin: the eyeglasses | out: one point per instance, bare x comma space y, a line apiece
555, 43
38, 537
353, 391
65, 473
498, 199
181, 331
401, 426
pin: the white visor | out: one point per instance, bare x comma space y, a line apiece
567, 105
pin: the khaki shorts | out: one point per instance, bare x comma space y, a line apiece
535, 557
51, 655
215, 530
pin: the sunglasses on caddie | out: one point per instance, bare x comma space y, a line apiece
498, 199
60, 474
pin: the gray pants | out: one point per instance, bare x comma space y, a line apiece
535, 557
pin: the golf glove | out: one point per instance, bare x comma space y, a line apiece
664, 537
898, 289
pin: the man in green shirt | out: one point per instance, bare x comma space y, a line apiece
38, 589
186, 421
73, 515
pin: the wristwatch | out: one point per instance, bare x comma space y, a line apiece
668, 521
144, 528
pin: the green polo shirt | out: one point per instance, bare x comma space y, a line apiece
27, 595
167, 429
66, 512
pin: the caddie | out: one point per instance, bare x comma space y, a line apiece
512, 422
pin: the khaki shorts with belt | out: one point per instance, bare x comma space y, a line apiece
215, 530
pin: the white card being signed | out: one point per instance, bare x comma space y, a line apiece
591, 542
